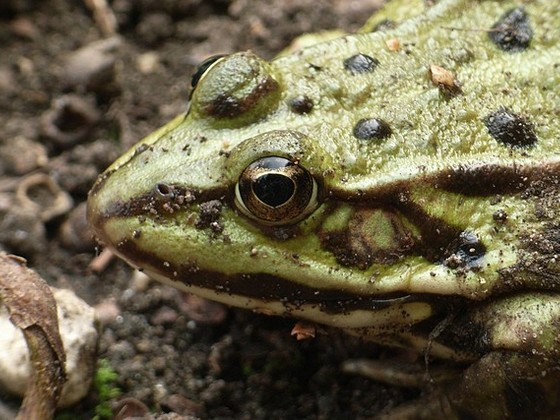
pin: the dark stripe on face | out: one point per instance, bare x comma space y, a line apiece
496, 179
471, 181
483, 180
156, 202
270, 288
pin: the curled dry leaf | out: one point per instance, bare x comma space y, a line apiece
70, 119
41, 195
33, 309
304, 330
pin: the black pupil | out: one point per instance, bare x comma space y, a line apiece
274, 189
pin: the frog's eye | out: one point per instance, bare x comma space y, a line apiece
203, 67
235, 90
275, 191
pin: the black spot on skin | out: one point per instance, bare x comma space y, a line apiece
371, 129
470, 248
510, 129
512, 32
360, 63
301, 104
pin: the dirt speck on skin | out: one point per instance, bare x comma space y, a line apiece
75, 97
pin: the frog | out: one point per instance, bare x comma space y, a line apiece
401, 184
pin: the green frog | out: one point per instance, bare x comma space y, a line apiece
402, 184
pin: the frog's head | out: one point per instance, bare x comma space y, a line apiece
231, 201
277, 192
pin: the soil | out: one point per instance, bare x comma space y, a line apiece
73, 97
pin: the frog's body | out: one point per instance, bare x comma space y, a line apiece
424, 163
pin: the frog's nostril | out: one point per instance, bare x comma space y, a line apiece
163, 190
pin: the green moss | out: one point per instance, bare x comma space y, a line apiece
105, 388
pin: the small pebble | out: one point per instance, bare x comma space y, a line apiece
148, 62
75, 232
107, 311
22, 232
20, 155
92, 66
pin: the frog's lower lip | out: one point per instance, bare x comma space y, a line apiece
263, 287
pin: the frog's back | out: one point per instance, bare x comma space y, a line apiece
458, 86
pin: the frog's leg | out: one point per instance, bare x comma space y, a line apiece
519, 374
508, 385
516, 376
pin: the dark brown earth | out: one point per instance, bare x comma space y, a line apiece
68, 113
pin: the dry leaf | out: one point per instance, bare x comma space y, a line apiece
304, 330
33, 309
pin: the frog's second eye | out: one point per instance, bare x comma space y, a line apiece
275, 191
235, 90
203, 67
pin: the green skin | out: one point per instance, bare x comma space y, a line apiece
441, 234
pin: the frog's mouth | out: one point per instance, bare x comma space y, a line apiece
272, 294
263, 287
260, 290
